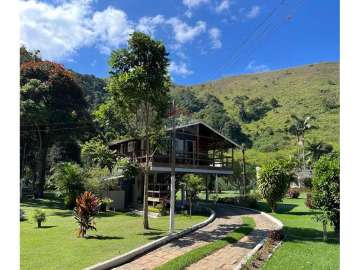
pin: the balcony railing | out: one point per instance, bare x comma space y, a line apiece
188, 159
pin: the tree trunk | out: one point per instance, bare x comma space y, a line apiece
146, 173
34, 178
243, 171
42, 171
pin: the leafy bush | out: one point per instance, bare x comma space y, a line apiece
193, 185
95, 181
106, 202
39, 216
69, 180
293, 193
96, 153
273, 182
87, 206
308, 202
326, 188
126, 167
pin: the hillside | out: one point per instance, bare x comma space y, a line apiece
305, 90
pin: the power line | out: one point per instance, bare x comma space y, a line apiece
248, 38
271, 29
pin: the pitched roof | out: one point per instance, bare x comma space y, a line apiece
185, 126
209, 127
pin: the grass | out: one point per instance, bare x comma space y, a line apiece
303, 247
197, 254
300, 90
55, 246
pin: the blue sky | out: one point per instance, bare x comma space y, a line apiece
206, 39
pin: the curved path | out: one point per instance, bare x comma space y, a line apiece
227, 219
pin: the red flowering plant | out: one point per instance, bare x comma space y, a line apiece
87, 206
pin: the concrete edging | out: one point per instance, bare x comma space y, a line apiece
124, 258
258, 246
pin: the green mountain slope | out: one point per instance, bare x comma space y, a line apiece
305, 90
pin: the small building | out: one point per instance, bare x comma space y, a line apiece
199, 149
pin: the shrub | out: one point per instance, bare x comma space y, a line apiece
308, 202
193, 185
273, 181
106, 202
326, 188
69, 180
95, 181
126, 167
293, 193
87, 206
39, 216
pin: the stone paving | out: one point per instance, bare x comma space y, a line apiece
227, 219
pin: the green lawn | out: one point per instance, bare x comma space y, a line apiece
56, 247
303, 247
197, 254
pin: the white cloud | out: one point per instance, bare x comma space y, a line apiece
215, 34
254, 12
149, 24
194, 3
183, 32
60, 30
224, 5
180, 69
253, 67
57, 31
112, 28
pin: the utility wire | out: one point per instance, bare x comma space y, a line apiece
248, 38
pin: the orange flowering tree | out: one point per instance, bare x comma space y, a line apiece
52, 109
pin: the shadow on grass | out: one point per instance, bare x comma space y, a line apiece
152, 235
103, 237
309, 235
62, 214
46, 226
44, 203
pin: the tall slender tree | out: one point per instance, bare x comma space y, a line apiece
298, 127
139, 84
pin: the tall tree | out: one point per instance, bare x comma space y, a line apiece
298, 127
52, 108
139, 83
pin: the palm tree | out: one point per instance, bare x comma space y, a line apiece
298, 127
